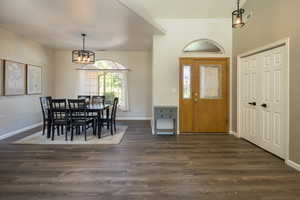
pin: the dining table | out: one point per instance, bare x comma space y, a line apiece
99, 109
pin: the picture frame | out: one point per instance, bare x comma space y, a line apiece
14, 78
34, 79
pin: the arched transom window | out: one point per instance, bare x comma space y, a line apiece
204, 46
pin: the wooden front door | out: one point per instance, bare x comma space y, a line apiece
204, 97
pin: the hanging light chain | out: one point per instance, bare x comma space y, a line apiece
83, 35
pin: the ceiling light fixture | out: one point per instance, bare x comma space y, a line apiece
83, 56
237, 17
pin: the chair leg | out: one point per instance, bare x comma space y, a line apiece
62, 130
99, 128
84, 129
57, 129
111, 128
72, 133
66, 134
49, 128
53, 132
94, 127
44, 127
115, 126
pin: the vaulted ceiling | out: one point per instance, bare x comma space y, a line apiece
184, 8
110, 24
58, 23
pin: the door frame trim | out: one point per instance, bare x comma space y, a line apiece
229, 87
283, 42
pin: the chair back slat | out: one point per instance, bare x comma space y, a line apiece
58, 103
58, 114
77, 103
45, 105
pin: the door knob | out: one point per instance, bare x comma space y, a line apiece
264, 105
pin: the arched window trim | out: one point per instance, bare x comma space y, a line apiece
94, 67
222, 50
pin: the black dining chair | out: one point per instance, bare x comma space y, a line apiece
45, 105
87, 98
98, 99
81, 103
110, 121
60, 119
79, 119
59, 104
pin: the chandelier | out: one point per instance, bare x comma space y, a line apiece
237, 17
83, 56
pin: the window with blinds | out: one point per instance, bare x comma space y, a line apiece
110, 83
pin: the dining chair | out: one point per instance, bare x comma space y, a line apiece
79, 119
110, 121
87, 98
45, 105
62, 105
98, 99
81, 103
59, 119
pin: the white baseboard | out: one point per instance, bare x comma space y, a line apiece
7, 135
293, 165
134, 118
233, 133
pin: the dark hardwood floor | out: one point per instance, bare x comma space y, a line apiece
215, 167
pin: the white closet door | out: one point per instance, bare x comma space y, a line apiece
263, 100
273, 117
249, 99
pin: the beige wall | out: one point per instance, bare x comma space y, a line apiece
167, 49
139, 79
20, 111
274, 20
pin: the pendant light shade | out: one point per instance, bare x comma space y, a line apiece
83, 56
237, 17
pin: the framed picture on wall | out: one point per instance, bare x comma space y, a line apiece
14, 78
1, 77
34, 80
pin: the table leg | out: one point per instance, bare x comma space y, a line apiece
48, 129
49, 124
107, 117
99, 125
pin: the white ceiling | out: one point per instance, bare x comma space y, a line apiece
185, 8
59, 23
110, 24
